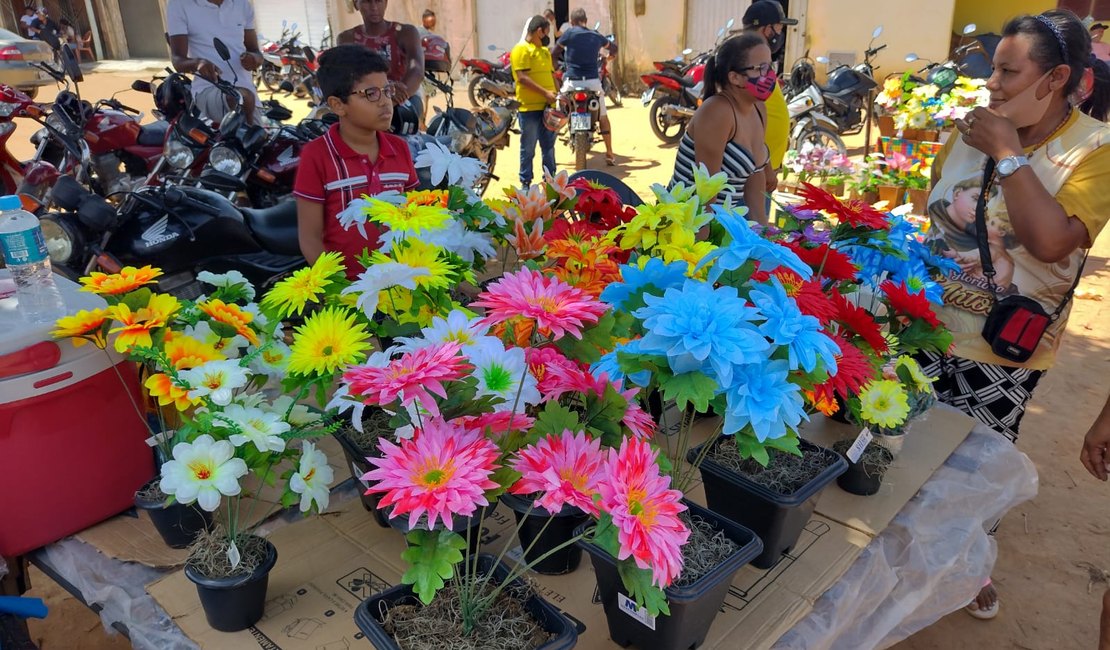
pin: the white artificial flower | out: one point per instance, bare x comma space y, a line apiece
378, 278
228, 280
342, 402
499, 373
216, 380
355, 212
201, 471
456, 239
261, 427
457, 328
299, 416
271, 360
312, 478
446, 165
229, 347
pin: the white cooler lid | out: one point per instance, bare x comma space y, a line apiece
16, 333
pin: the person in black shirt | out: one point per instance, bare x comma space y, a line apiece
582, 51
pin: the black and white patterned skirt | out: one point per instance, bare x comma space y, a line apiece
993, 394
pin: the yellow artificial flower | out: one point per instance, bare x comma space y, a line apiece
707, 186
418, 254
408, 218
128, 279
291, 295
328, 341
922, 383
82, 327
884, 403
162, 388
232, 316
186, 352
136, 326
428, 197
682, 245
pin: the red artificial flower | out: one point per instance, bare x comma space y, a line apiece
858, 321
579, 232
914, 305
854, 370
855, 213
601, 204
813, 300
826, 261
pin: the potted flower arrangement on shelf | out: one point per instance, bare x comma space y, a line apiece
918, 111
912, 177
825, 165
211, 360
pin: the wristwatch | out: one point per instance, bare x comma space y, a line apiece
1007, 166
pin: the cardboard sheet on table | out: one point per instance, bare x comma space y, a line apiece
930, 440
131, 536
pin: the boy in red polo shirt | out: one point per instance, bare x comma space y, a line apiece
355, 157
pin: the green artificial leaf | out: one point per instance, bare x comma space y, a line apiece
431, 556
554, 419
289, 499
921, 336
749, 447
505, 477
137, 299
788, 444
605, 535
688, 388
640, 588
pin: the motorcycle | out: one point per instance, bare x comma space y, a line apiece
488, 79
583, 107
608, 86
820, 114
674, 90
965, 60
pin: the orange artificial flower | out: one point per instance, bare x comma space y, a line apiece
529, 205
162, 388
136, 326
528, 245
520, 329
128, 279
232, 316
822, 400
186, 352
437, 198
82, 327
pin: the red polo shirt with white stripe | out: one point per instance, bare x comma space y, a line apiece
334, 174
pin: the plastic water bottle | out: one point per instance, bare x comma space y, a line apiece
26, 257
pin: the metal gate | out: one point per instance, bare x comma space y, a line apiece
704, 18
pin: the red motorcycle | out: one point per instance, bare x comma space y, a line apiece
13, 103
488, 79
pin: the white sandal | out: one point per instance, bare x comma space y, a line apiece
987, 614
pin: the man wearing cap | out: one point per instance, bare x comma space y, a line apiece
1100, 49
767, 18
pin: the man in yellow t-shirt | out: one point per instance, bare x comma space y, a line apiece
534, 75
766, 18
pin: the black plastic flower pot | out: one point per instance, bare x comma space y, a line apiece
178, 524
778, 519
236, 603
356, 460
542, 540
865, 477
693, 607
470, 528
370, 612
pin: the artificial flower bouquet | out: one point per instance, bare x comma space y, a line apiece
916, 105
207, 361
823, 164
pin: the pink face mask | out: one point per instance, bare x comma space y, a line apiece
1027, 107
761, 87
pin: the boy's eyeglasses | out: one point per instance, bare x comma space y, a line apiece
374, 93
763, 68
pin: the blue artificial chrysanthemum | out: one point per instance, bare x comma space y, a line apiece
786, 325
918, 279
763, 399
699, 328
746, 245
610, 365
655, 273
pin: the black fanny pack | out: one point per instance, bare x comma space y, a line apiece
1015, 324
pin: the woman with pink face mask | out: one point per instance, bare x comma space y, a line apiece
1041, 164
726, 133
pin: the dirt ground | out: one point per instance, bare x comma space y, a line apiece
1053, 555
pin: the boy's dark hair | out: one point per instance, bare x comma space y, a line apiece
343, 65
428, 13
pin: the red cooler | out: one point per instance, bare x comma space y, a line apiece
72, 444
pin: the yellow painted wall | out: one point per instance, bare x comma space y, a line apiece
990, 15
908, 26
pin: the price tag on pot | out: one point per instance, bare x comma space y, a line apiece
628, 606
856, 450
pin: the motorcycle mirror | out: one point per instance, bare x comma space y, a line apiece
720, 33
911, 57
822, 59
309, 54
70, 64
597, 26
687, 52
878, 32
221, 49
730, 23
970, 28
283, 23
142, 86
293, 27
492, 48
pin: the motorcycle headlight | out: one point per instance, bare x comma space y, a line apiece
7, 108
62, 239
178, 154
460, 140
224, 160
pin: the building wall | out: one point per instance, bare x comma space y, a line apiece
990, 15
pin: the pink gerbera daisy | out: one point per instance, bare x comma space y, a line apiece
443, 470
542, 361
556, 307
496, 424
414, 376
566, 469
644, 510
562, 379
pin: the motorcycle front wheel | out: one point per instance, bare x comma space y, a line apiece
271, 77
819, 136
479, 97
667, 129
612, 92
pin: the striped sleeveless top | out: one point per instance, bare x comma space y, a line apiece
737, 163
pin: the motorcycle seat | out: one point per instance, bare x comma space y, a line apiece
684, 81
154, 134
275, 227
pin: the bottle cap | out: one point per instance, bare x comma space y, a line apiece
10, 202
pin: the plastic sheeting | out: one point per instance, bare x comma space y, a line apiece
928, 562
